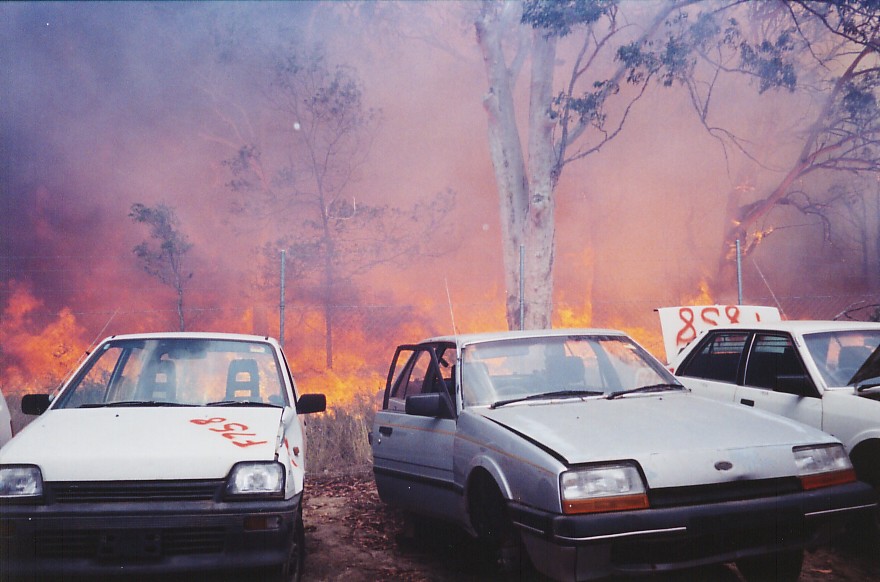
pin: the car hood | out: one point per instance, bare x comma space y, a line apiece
678, 439
109, 444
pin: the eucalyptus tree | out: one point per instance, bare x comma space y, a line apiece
827, 56
303, 182
620, 49
164, 256
567, 120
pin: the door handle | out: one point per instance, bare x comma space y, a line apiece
385, 430
747, 402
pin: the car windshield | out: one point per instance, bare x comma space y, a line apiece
177, 372
838, 355
505, 371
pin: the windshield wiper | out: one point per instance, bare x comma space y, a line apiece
644, 389
131, 403
241, 403
543, 395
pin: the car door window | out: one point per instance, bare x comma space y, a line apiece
774, 364
411, 367
717, 358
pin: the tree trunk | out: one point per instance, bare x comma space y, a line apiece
180, 310
178, 286
526, 205
540, 225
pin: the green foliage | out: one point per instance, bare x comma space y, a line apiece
559, 17
588, 107
162, 261
767, 61
860, 104
320, 94
239, 166
673, 61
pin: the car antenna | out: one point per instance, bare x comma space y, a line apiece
451, 313
772, 294
100, 333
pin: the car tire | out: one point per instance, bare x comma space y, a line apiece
865, 458
780, 567
488, 515
292, 569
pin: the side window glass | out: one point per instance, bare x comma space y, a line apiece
774, 364
419, 379
446, 359
409, 377
717, 358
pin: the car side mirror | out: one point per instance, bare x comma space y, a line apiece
34, 404
433, 404
309, 403
796, 384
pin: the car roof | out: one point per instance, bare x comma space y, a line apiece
199, 335
473, 338
803, 326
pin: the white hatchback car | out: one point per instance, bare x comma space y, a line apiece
823, 373
169, 452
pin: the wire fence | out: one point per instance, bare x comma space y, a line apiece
108, 295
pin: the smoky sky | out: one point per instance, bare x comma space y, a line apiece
108, 104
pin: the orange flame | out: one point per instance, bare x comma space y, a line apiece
36, 355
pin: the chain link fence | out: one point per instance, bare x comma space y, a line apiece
351, 356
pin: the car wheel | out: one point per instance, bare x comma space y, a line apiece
292, 569
488, 514
866, 461
779, 567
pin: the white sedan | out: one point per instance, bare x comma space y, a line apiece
823, 373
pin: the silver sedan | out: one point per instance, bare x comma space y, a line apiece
577, 453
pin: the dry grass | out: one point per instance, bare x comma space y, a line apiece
338, 439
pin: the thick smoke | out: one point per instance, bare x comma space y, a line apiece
108, 104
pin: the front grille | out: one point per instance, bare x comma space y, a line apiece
66, 544
132, 491
116, 544
721, 492
193, 541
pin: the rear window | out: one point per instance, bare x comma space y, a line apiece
716, 358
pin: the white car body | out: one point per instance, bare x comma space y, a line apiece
5, 421
164, 452
829, 387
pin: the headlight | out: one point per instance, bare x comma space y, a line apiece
20, 482
602, 488
256, 479
823, 466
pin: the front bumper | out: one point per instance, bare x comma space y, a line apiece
583, 547
87, 539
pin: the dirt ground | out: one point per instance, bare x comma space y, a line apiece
351, 536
